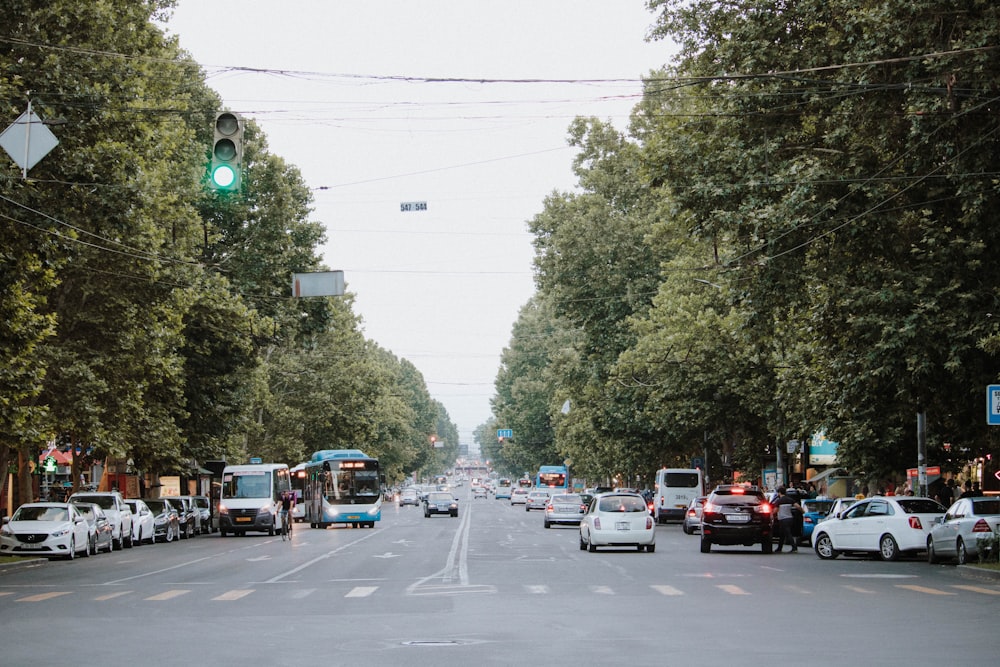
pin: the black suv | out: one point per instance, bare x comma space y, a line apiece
735, 514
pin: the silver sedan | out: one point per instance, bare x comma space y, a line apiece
969, 524
564, 508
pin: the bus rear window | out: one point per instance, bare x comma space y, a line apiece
683, 480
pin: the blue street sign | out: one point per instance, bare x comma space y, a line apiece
505, 433
993, 404
256, 459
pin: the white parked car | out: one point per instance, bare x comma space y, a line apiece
45, 529
968, 522
119, 514
143, 522
889, 527
618, 520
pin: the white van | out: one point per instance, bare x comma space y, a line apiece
251, 497
675, 489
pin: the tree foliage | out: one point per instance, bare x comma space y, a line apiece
144, 317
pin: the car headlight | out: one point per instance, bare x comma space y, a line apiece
6, 530
223, 509
60, 532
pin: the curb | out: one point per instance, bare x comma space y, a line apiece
980, 573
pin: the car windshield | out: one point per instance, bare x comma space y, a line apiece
104, 502
921, 506
622, 504
156, 506
41, 514
822, 506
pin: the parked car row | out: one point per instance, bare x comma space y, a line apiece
888, 527
94, 521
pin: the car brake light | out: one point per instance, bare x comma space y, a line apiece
691, 512
765, 508
982, 527
708, 508
649, 523
915, 523
597, 523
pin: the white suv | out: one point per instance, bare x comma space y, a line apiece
119, 514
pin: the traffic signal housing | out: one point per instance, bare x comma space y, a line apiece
225, 172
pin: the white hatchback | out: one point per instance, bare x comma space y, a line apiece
618, 520
888, 526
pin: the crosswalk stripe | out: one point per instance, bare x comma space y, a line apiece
666, 590
924, 589
3, 593
979, 589
537, 590
42, 596
732, 590
234, 594
602, 590
797, 589
167, 595
111, 596
361, 591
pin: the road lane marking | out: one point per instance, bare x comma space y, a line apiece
235, 594
731, 589
166, 569
274, 580
111, 596
978, 589
456, 566
298, 595
924, 589
41, 597
858, 589
536, 590
167, 595
361, 591
602, 590
663, 589
3, 593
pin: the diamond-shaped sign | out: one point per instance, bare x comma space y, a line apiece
27, 140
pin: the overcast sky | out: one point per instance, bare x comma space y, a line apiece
351, 94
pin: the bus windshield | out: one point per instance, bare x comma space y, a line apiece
343, 485
250, 484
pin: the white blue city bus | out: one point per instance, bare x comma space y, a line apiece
342, 486
553, 477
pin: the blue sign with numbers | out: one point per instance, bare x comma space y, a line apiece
505, 433
993, 404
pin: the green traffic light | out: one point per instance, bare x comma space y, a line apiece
224, 176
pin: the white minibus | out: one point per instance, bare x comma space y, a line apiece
251, 497
675, 489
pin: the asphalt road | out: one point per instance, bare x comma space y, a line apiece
491, 587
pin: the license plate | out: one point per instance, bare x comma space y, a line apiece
243, 519
623, 525
31, 546
356, 516
737, 518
